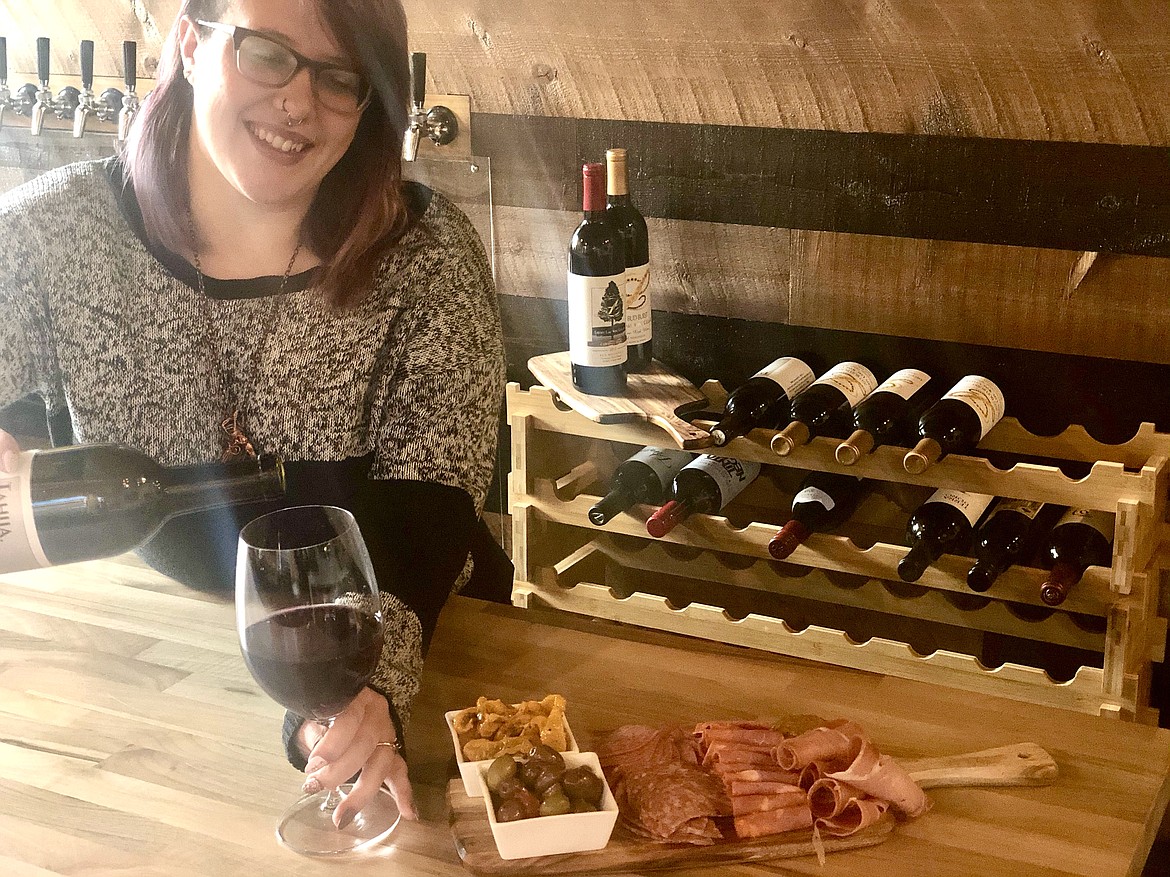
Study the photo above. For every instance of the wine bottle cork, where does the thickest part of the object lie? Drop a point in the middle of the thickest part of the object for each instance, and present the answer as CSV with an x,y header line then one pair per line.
x,y
790,537
925,453
791,437
854,448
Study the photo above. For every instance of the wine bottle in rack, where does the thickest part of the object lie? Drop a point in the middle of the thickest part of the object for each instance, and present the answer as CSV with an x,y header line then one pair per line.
x,y
888,414
941,525
89,501
956,423
763,400
704,486
632,226
597,279
1080,539
643,478
1006,537
824,501
824,406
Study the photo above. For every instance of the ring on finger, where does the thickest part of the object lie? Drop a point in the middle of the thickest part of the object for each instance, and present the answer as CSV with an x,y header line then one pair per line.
x,y
396,745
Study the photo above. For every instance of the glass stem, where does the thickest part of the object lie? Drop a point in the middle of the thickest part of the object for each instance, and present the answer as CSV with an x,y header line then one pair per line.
x,y
331,801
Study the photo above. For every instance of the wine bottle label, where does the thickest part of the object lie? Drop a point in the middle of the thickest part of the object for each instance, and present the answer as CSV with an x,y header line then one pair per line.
x,y
597,327
972,505
983,396
19,546
729,474
637,292
851,378
664,462
1029,508
904,382
790,373
814,494
1102,522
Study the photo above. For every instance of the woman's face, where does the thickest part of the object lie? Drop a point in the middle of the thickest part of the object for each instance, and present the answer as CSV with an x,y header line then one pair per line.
x,y
241,129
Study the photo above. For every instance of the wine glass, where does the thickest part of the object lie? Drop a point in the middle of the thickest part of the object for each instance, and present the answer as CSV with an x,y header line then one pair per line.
x,y
309,619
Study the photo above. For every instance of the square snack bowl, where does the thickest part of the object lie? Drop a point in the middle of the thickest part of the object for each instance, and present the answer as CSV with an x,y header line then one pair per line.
x,y
551,835
468,770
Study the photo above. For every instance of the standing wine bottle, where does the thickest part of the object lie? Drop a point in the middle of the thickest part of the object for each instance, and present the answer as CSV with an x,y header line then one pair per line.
x,y
89,501
704,486
597,276
825,500
645,477
763,400
632,226
956,423
886,416
1005,539
824,406
1080,539
941,525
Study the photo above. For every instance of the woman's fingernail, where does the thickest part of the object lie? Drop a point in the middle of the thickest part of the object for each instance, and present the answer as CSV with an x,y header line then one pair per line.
x,y
311,786
10,462
314,764
345,820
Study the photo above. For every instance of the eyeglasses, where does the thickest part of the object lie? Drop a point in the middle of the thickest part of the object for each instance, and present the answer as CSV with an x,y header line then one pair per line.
x,y
264,61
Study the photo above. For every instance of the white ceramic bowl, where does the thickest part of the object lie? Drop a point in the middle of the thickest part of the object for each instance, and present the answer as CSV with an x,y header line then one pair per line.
x,y
551,835
469,770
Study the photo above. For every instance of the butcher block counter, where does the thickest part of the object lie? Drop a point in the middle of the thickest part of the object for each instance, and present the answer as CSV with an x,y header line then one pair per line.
x,y
133,740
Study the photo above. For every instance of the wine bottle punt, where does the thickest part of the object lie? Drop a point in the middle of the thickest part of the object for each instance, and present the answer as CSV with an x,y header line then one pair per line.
x,y
763,400
704,486
643,478
597,278
941,525
90,501
1080,539
956,423
1004,539
887,415
824,501
632,226
824,406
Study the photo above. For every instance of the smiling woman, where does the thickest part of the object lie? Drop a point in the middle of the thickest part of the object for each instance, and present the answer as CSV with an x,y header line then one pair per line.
x,y
253,275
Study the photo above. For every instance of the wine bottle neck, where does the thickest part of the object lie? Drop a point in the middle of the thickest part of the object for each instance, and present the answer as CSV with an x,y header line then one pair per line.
x,y
196,488
619,498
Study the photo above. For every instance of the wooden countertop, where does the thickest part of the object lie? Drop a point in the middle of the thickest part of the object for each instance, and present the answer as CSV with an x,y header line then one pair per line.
x,y
133,740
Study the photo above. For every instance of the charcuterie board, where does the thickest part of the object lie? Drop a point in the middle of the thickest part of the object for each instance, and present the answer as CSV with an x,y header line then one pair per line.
x,y
658,395
1021,765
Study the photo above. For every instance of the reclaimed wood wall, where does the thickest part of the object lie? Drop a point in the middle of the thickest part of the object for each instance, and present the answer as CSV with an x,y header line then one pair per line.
x,y
920,169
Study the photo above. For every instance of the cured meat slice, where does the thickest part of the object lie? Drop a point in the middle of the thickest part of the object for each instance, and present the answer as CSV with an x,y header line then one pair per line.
x,y
725,758
757,738
739,787
665,798
743,804
882,777
755,775
858,813
773,821
830,743
829,796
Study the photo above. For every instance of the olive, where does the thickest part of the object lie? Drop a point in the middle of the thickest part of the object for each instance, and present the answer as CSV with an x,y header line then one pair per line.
x,y
582,784
501,768
555,804
580,806
542,753
528,772
508,787
529,802
547,777
510,810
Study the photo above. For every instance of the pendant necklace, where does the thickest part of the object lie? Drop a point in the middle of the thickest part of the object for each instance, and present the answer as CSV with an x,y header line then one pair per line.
x,y
235,442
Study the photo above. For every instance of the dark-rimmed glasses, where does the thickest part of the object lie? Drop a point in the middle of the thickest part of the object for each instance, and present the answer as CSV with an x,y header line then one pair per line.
x,y
265,61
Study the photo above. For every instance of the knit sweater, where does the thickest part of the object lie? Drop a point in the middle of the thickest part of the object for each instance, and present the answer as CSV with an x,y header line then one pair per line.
x,y
389,408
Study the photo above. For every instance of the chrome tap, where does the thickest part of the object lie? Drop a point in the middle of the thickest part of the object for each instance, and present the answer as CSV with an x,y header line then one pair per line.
x,y
438,124
130,101
44,101
86,105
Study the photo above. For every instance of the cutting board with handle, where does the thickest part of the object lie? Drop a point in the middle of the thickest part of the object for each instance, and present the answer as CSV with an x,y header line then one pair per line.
x,y
1023,764
658,395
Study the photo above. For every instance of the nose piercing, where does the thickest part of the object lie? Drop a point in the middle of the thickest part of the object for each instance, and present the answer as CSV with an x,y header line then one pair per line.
x,y
291,122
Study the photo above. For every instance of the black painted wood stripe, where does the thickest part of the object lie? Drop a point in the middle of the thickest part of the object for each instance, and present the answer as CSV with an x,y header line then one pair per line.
x,y
1075,196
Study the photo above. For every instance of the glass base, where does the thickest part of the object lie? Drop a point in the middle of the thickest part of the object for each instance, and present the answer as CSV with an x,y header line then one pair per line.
x,y
307,826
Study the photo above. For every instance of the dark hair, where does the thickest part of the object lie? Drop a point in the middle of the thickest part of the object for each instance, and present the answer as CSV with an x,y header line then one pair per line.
x,y
360,207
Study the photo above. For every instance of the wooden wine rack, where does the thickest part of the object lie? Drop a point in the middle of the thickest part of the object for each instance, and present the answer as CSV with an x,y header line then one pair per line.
x,y
838,598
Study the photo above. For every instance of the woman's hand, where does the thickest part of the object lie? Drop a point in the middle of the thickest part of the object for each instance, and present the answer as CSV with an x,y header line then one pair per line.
x,y
350,745
9,452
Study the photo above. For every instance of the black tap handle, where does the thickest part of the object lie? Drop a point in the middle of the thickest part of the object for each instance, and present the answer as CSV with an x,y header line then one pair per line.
x,y
87,65
418,78
43,59
130,63
3,59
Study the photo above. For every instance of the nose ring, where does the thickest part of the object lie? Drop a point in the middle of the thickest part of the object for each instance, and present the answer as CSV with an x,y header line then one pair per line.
x,y
291,122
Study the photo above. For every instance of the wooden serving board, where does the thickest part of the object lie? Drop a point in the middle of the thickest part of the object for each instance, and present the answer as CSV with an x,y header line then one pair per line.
x,y
659,396
1025,764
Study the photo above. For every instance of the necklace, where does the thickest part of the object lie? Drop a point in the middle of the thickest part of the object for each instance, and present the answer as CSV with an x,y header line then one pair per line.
x,y
234,439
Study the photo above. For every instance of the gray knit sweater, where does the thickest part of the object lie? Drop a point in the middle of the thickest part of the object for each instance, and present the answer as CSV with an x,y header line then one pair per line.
x,y
411,379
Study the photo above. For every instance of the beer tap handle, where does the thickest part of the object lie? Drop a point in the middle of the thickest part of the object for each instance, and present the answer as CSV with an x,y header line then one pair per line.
x,y
85,102
3,60
130,64
44,101
418,80
130,99
87,65
43,61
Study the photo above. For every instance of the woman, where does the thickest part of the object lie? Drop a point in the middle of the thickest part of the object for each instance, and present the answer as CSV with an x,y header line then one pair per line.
x,y
253,275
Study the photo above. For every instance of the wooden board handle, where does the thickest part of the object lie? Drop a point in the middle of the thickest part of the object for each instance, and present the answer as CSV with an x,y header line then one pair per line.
x,y
1023,764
